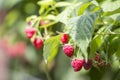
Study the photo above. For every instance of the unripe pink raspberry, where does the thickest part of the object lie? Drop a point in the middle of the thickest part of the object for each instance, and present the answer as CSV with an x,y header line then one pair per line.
x,y
101,64
87,65
97,58
68,50
77,64
38,43
29,23
44,22
64,38
30,31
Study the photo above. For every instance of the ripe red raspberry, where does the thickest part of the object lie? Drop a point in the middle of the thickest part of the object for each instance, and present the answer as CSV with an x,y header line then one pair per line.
x,y
38,43
64,38
87,65
77,64
68,50
30,31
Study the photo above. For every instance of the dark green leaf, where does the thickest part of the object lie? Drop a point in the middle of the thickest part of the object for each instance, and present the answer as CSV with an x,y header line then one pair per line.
x,y
118,52
81,29
114,45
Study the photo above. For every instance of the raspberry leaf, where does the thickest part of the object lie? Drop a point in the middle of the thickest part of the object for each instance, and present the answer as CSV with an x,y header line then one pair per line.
x,y
68,13
96,42
51,47
81,29
107,5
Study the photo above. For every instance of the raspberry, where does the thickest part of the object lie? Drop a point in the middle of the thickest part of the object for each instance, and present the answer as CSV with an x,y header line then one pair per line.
x,y
101,64
44,22
77,64
64,38
30,31
87,65
68,50
97,58
38,43
29,23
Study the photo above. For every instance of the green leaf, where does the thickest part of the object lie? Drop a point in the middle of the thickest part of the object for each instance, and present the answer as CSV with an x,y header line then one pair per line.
x,y
118,52
83,8
109,5
68,13
42,9
88,7
81,29
116,17
114,45
96,42
44,4
50,17
31,18
51,48
109,13
62,4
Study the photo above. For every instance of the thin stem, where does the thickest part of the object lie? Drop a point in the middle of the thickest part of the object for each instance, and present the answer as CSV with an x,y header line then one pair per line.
x,y
46,32
39,33
47,72
110,33
54,8
47,12
52,23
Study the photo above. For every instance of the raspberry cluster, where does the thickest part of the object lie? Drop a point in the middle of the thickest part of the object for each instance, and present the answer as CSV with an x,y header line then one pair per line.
x,y
77,64
100,62
68,50
30,32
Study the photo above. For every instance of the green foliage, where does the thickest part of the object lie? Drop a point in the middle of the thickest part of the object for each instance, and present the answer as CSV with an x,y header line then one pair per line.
x,y
109,5
69,12
93,27
96,42
51,47
83,8
81,30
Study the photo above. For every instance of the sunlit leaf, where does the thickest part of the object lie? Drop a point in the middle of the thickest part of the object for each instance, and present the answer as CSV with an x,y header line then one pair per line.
x,y
109,5
83,8
62,4
68,13
51,48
